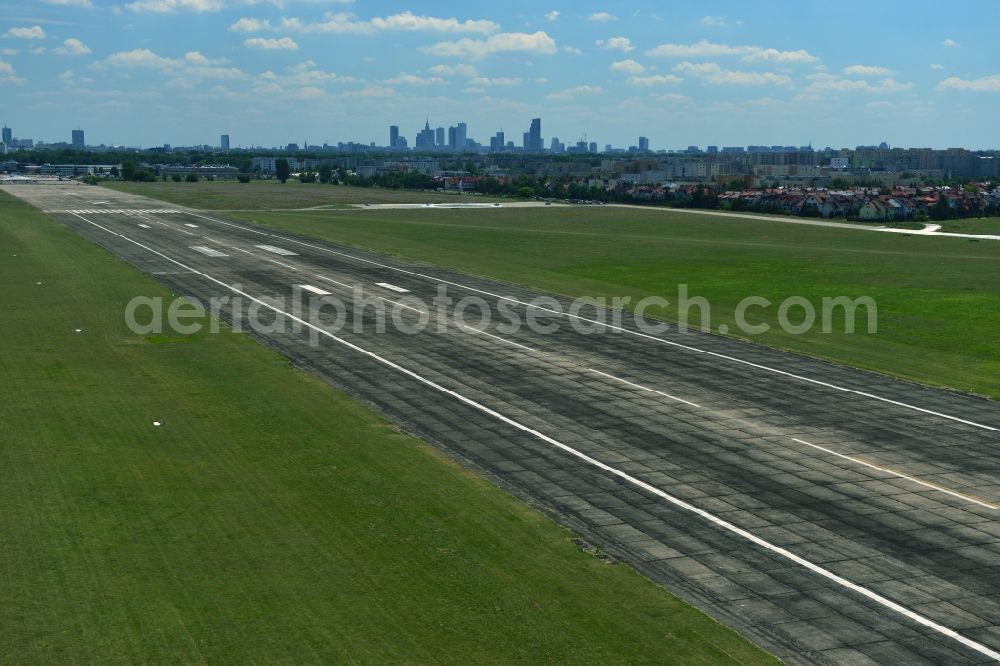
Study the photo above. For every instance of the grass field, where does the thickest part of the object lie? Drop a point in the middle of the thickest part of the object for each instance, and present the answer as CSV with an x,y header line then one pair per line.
x,y
938,298
270,194
270,518
985,225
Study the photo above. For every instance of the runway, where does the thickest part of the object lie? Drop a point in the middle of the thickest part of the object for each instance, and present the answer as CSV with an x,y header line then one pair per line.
x,y
829,514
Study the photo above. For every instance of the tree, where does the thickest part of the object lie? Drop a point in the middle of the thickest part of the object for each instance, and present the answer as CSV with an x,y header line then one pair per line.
x,y
281,169
191,178
243,178
130,170
325,174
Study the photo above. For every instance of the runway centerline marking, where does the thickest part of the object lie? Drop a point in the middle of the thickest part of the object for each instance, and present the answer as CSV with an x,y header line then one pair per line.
x,y
275,261
470,329
342,284
392,287
887,470
644,388
625,476
208,251
315,290
277,250
621,329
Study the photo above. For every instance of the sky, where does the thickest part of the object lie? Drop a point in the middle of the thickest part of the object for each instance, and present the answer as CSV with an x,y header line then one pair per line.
x,y
270,72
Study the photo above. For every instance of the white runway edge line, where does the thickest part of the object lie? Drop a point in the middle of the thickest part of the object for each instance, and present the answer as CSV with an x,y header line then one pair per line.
x,y
470,329
621,329
643,388
653,490
933,486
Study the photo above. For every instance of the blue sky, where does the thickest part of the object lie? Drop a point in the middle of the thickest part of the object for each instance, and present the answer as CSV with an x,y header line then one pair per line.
x,y
268,72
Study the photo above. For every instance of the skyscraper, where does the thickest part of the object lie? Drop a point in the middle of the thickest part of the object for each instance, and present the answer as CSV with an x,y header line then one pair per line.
x,y
533,137
393,136
78,139
8,135
224,142
497,144
461,138
643,144
452,133
439,137
425,137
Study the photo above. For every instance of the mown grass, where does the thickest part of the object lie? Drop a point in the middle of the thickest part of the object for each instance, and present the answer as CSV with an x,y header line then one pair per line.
x,y
938,298
983,225
270,518
271,194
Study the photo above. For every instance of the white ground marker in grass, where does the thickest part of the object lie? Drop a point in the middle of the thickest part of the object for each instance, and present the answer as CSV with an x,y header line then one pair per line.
x,y
277,250
926,484
314,290
209,251
392,287
643,388
624,476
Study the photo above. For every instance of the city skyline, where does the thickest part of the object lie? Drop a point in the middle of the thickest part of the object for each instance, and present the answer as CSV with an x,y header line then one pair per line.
x,y
149,72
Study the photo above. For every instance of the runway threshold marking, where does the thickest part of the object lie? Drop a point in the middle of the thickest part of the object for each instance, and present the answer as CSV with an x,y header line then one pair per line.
x,y
470,329
625,476
734,359
644,388
887,470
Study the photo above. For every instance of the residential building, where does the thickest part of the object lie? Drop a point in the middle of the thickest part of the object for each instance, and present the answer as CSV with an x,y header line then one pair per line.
x,y
644,144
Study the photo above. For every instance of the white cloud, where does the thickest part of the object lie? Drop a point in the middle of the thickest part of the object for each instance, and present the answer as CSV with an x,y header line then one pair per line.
x,y
414,80
67,77
780,56
9,51
193,65
654,80
937,66
616,44
553,15
984,84
72,47
86,4
282,44
8,74
572,50
407,21
170,6
34,32
143,58
707,49
483,81
371,91
950,43
710,72
506,42
250,25
452,70
628,66
866,70
717,22
825,83
570,93
602,17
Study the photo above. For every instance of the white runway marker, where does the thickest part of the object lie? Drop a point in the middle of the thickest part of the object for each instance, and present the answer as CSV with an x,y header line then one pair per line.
x,y
624,476
209,251
193,226
899,474
277,250
315,290
273,261
392,287
644,388
470,329
145,226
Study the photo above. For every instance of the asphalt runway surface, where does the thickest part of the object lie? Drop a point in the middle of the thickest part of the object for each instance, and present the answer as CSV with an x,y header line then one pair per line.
x,y
829,514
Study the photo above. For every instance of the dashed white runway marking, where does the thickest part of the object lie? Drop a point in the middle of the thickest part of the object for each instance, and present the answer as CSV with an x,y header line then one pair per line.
x,y
315,290
273,261
277,250
117,211
899,474
188,224
342,284
580,455
392,287
470,329
643,388
145,226
209,251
